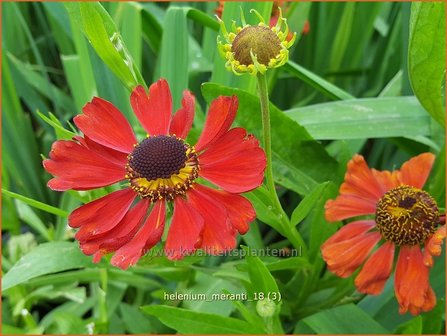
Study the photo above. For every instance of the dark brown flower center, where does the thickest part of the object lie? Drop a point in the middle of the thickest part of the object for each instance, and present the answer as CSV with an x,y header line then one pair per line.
x,y
406,215
162,167
158,157
263,42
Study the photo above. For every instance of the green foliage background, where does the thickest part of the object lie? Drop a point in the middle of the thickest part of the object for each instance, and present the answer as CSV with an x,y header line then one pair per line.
x,y
368,78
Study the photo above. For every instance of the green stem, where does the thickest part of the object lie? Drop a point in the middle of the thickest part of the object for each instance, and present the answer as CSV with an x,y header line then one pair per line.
x,y
289,231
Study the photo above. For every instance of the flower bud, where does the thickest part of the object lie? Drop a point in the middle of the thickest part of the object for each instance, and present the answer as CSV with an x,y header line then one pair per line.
x,y
257,48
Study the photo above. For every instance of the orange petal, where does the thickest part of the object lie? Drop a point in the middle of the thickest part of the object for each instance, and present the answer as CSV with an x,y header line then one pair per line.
x,y
387,179
376,271
433,246
415,171
359,192
349,231
345,257
413,291
347,207
360,181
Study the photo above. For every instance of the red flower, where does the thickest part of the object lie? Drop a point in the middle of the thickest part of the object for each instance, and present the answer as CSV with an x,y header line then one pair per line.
x,y
405,217
159,169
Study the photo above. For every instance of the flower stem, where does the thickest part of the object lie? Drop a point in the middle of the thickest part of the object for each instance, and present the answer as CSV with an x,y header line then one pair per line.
x,y
289,231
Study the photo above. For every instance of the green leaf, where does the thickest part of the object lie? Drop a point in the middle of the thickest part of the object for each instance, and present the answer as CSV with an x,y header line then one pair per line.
x,y
131,26
347,319
30,217
209,285
45,259
341,38
103,35
42,85
304,207
188,322
19,146
151,28
36,204
432,321
363,118
135,321
426,56
291,263
174,52
260,277
61,132
320,84
412,327
203,18
265,211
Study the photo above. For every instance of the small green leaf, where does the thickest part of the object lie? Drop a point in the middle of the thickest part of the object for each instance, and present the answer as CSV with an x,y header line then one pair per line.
x,y
261,279
188,322
265,211
45,259
136,322
291,263
61,132
426,56
304,207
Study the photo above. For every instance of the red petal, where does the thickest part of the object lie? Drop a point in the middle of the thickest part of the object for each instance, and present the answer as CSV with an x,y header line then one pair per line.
x,y
76,167
220,117
101,215
345,257
239,209
234,141
413,291
218,235
234,162
153,110
415,171
376,271
185,230
149,235
183,118
240,172
105,124
119,158
123,232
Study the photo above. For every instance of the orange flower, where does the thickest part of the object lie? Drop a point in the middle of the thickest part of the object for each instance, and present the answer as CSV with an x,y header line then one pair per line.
x,y
406,217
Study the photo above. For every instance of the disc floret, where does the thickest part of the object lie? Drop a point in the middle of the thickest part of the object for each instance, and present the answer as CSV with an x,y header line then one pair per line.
x,y
407,215
162,167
